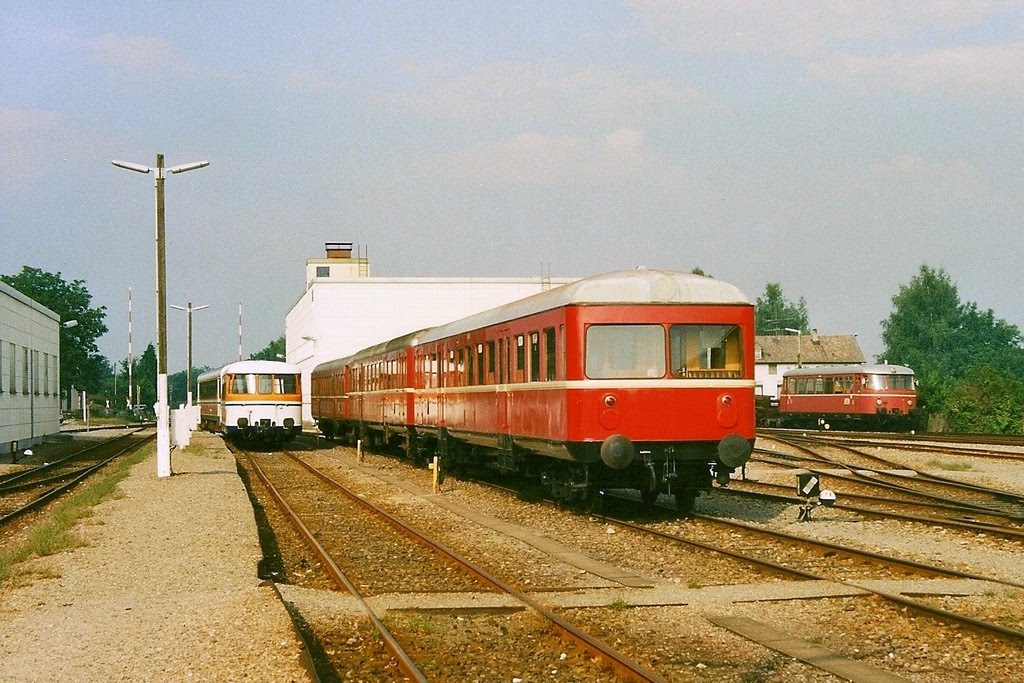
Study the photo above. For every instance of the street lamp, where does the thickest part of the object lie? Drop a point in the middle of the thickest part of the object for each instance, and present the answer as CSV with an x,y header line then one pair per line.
x,y
163,436
188,356
799,334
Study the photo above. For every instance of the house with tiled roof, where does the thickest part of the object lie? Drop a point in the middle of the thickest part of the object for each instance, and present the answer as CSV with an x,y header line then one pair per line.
x,y
775,354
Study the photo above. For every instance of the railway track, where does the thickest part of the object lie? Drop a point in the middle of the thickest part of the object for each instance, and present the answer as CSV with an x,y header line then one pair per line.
x,y
36,486
871,471
875,578
412,562
966,442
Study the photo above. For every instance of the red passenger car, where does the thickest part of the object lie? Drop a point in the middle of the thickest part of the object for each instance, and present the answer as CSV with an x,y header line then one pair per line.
x,y
865,395
637,379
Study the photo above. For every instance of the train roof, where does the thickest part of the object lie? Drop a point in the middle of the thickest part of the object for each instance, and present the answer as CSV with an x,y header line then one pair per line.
x,y
640,286
391,345
264,367
859,369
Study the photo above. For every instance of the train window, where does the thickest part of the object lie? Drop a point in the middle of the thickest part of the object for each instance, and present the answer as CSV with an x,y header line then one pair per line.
x,y
287,384
534,357
801,386
550,354
480,364
501,361
819,386
508,360
491,357
625,351
706,351
238,384
520,352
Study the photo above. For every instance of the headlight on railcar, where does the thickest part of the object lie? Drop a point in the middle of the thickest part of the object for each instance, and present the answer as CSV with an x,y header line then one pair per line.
x,y
289,422
243,422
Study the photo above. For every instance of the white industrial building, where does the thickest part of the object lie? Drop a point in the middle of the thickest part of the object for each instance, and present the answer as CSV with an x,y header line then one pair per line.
x,y
29,371
343,309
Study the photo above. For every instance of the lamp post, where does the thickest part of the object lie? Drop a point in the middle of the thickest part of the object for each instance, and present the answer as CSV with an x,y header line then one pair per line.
x,y
188,356
799,334
163,436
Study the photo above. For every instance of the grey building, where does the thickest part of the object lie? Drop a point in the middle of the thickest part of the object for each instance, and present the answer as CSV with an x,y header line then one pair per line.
x,y
29,371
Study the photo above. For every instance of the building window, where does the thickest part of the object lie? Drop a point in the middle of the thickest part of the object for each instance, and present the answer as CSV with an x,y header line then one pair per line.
x,y
323,271
773,368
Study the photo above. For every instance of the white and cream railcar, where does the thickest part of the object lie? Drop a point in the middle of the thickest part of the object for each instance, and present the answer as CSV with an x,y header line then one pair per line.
x,y
252,399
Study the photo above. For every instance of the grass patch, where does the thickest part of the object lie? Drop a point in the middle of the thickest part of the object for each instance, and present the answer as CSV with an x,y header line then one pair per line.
x,y
949,466
618,604
55,532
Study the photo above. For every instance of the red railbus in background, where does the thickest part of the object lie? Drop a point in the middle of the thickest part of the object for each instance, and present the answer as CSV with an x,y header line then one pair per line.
x,y
873,396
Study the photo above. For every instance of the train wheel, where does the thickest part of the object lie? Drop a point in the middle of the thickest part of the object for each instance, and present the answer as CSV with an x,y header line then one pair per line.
x,y
593,500
649,497
685,499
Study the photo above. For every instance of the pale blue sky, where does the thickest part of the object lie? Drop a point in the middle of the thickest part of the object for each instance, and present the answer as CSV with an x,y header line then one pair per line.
x,y
830,147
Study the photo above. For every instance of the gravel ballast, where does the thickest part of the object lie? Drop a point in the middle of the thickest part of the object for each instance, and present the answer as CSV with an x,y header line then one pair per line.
x,y
164,589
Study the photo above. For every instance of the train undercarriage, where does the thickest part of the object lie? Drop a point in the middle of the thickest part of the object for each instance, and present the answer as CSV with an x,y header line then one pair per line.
x,y
577,474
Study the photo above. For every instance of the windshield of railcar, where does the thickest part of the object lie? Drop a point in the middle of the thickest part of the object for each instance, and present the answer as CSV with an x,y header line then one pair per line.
x,y
891,382
264,384
704,351
625,351
635,351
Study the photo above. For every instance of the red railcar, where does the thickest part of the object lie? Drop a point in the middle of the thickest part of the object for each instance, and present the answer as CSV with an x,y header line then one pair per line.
x,y
636,379
883,396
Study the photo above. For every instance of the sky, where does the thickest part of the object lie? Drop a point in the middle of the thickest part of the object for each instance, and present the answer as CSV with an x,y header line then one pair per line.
x,y
831,147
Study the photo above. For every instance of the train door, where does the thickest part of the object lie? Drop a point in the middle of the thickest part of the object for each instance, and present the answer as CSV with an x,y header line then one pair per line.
x,y
503,395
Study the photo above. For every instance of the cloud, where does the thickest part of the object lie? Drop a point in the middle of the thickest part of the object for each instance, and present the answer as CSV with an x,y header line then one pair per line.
x,y
963,71
806,28
18,121
530,96
313,82
949,178
535,159
141,55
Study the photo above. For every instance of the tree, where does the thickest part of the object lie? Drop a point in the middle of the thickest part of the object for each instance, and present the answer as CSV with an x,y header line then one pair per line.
x,y
273,351
774,312
987,401
145,377
945,340
81,364
177,389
